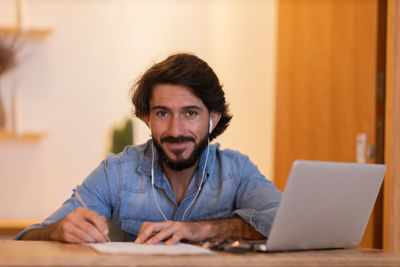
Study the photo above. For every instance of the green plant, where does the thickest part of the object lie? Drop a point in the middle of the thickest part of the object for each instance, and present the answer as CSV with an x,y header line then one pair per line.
x,y
122,137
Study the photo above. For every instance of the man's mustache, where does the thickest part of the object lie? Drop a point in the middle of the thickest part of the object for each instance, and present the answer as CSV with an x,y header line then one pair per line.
x,y
177,140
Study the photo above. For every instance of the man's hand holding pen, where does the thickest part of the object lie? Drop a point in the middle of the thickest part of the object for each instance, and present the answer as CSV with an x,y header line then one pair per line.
x,y
81,226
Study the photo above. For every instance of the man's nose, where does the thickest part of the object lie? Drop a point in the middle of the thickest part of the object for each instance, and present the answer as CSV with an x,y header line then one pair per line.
x,y
176,127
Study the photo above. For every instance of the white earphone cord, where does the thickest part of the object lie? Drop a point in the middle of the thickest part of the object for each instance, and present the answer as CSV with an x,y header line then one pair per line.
x,y
198,190
201,182
152,181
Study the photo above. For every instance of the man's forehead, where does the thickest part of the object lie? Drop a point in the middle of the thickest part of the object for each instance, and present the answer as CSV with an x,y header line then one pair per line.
x,y
171,94
162,87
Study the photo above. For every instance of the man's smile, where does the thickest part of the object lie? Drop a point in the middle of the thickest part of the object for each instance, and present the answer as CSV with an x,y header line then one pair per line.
x,y
177,145
179,139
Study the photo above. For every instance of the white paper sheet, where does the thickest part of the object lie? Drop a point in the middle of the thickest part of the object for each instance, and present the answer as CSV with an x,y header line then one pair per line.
x,y
131,248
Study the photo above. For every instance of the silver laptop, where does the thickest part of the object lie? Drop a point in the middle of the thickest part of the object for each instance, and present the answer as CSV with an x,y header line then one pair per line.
x,y
325,205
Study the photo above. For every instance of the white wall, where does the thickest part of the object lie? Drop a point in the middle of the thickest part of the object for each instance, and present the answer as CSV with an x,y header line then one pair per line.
x,y
74,84
241,48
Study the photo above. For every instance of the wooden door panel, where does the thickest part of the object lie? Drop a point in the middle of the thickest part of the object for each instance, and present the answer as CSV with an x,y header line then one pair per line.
x,y
326,81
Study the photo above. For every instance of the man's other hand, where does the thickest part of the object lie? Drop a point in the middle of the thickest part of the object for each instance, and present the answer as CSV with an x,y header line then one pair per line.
x,y
172,232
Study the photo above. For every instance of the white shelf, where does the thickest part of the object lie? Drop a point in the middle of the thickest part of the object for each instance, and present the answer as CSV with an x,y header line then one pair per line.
x,y
24,137
31,33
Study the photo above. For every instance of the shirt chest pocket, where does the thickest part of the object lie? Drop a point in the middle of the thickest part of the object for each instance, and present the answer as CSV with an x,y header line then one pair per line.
x,y
214,203
138,207
223,189
141,185
135,200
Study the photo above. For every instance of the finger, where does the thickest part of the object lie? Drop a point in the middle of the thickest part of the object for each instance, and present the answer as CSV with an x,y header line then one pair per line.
x,y
100,222
89,232
80,235
175,238
70,238
82,219
148,229
173,229
185,230
69,232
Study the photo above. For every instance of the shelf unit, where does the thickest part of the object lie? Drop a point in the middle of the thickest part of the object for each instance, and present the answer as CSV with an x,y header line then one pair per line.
x,y
19,28
31,33
24,137
19,32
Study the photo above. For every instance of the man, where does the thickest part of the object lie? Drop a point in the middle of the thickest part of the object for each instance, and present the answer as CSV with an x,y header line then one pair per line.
x,y
176,186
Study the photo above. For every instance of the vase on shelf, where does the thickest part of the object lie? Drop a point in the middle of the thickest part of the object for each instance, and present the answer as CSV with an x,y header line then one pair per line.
x,y
16,122
2,113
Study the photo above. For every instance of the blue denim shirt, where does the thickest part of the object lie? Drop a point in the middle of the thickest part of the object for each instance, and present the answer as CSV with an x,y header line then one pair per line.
x,y
120,189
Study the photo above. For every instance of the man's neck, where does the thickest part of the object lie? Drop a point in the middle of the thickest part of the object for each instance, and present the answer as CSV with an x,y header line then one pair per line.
x,y
179,180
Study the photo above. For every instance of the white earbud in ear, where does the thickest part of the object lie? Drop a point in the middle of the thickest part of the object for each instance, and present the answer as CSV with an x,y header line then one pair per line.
x,y
210,126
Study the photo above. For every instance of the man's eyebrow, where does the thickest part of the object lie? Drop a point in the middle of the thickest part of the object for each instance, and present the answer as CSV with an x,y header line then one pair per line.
x,y
158,107
193,107
184,108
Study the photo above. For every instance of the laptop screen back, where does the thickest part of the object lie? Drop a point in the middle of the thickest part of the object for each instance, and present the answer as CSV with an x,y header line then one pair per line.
x,y
325,205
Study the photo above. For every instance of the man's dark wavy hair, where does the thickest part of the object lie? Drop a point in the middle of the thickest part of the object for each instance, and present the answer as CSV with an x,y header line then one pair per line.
x,y
188,70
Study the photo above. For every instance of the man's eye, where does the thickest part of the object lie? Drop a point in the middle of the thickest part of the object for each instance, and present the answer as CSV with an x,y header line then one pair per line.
x,y
192,113
162,113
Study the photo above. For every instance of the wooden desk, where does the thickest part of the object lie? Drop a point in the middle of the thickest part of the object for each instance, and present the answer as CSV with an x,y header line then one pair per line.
x,y
9,228
42,253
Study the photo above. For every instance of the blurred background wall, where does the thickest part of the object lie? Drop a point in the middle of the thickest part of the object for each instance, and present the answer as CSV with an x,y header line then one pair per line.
x,y
73,85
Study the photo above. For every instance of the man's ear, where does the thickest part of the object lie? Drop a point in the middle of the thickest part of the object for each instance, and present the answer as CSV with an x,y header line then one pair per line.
x,y
146,119
214,117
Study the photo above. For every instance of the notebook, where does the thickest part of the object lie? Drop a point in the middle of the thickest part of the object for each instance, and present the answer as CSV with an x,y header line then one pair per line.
x,y
325,205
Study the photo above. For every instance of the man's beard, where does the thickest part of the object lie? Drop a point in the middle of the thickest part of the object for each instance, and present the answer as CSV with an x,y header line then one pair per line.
x,y
180,164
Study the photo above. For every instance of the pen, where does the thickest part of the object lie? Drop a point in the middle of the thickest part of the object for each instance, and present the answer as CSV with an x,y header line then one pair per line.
x,y
78,196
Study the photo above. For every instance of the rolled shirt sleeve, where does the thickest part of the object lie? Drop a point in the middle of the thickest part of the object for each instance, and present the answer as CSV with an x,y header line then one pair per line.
x,y
257,198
